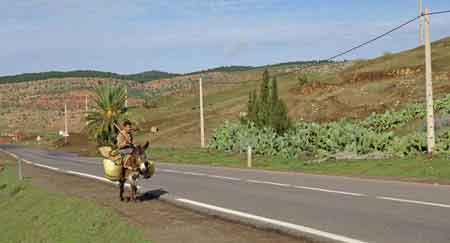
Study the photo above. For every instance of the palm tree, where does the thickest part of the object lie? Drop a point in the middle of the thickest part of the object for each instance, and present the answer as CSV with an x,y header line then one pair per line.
x,y
111,110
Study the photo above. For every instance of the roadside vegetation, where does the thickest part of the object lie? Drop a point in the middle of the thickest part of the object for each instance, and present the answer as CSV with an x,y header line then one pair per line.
x,y
312,140
30,214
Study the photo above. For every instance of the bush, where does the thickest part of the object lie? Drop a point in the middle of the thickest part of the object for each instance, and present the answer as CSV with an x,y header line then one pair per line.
x,y
302,80
364,137
393,119
302,138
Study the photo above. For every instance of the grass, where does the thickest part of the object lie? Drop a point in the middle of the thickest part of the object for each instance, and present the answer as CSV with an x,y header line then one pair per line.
x,y
413,57
30,214
415,169
412,169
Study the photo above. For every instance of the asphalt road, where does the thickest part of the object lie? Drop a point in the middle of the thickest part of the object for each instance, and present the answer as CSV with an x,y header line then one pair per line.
x,y
360,209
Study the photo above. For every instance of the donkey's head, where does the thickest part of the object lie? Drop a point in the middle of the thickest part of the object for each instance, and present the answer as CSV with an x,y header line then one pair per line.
x,y
141,159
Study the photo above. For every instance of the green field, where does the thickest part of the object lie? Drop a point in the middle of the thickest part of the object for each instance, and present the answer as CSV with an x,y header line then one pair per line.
x,y
30,214
418,169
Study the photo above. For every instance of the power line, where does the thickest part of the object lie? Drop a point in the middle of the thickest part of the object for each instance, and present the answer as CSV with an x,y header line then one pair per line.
x,y
385,34
439,12
369,41
374,39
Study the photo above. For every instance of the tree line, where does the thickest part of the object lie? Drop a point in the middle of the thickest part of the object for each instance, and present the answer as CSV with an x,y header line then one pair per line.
x,y
139,77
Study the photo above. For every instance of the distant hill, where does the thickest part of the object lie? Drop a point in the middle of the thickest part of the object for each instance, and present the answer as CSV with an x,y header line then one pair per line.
x,y
140,77
224,69
236,68
144,76
297,63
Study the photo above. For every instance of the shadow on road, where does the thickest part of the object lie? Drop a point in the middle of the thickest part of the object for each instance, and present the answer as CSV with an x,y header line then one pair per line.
x,y
151,195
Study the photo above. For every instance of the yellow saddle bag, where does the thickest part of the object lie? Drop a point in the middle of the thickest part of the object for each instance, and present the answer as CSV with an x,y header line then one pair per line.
x,y
112,170
151,168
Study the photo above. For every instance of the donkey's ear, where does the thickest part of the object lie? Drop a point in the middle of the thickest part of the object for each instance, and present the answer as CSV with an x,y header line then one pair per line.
x,y
146,145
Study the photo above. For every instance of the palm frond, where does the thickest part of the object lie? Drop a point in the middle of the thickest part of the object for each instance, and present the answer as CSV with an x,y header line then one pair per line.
x,y
110,104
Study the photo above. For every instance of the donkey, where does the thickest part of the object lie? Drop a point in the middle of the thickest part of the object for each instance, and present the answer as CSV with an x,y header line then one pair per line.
x,y
136,166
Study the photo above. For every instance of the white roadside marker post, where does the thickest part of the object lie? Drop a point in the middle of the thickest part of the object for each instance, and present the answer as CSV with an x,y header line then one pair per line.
x,y
19,167
249,156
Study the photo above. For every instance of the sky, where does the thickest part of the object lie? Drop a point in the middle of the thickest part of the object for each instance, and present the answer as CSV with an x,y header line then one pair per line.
x,y
131,36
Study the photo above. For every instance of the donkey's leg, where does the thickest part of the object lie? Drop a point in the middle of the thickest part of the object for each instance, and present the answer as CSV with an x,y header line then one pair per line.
x,y
122,183
133,184
133,193
121,187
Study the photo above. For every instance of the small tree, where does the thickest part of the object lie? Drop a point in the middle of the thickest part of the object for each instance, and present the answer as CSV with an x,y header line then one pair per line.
x,y
302,80
280,119
151,97
274,91
252,106
264,102
110,102
268,110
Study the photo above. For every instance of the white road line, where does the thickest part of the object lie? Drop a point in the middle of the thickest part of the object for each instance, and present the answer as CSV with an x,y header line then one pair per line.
x,y
77,173
96,178
171,171
28,162
194,173
43,166
415,202
269,183
224,177
10,154
90,176
263,182
291,226
67,171
307,188
199,174
331,191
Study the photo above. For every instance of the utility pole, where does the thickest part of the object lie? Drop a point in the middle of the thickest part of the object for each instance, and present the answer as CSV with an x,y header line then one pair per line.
x,y
429,86
86,103
86,109
126,97
202,124
66,129
421,19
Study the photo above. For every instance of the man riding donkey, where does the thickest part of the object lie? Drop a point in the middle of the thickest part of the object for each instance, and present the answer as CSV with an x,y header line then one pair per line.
x,y
125,143
133,160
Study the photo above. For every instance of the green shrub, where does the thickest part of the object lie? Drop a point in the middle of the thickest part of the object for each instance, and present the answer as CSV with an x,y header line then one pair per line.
x,y
267,109
363,137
